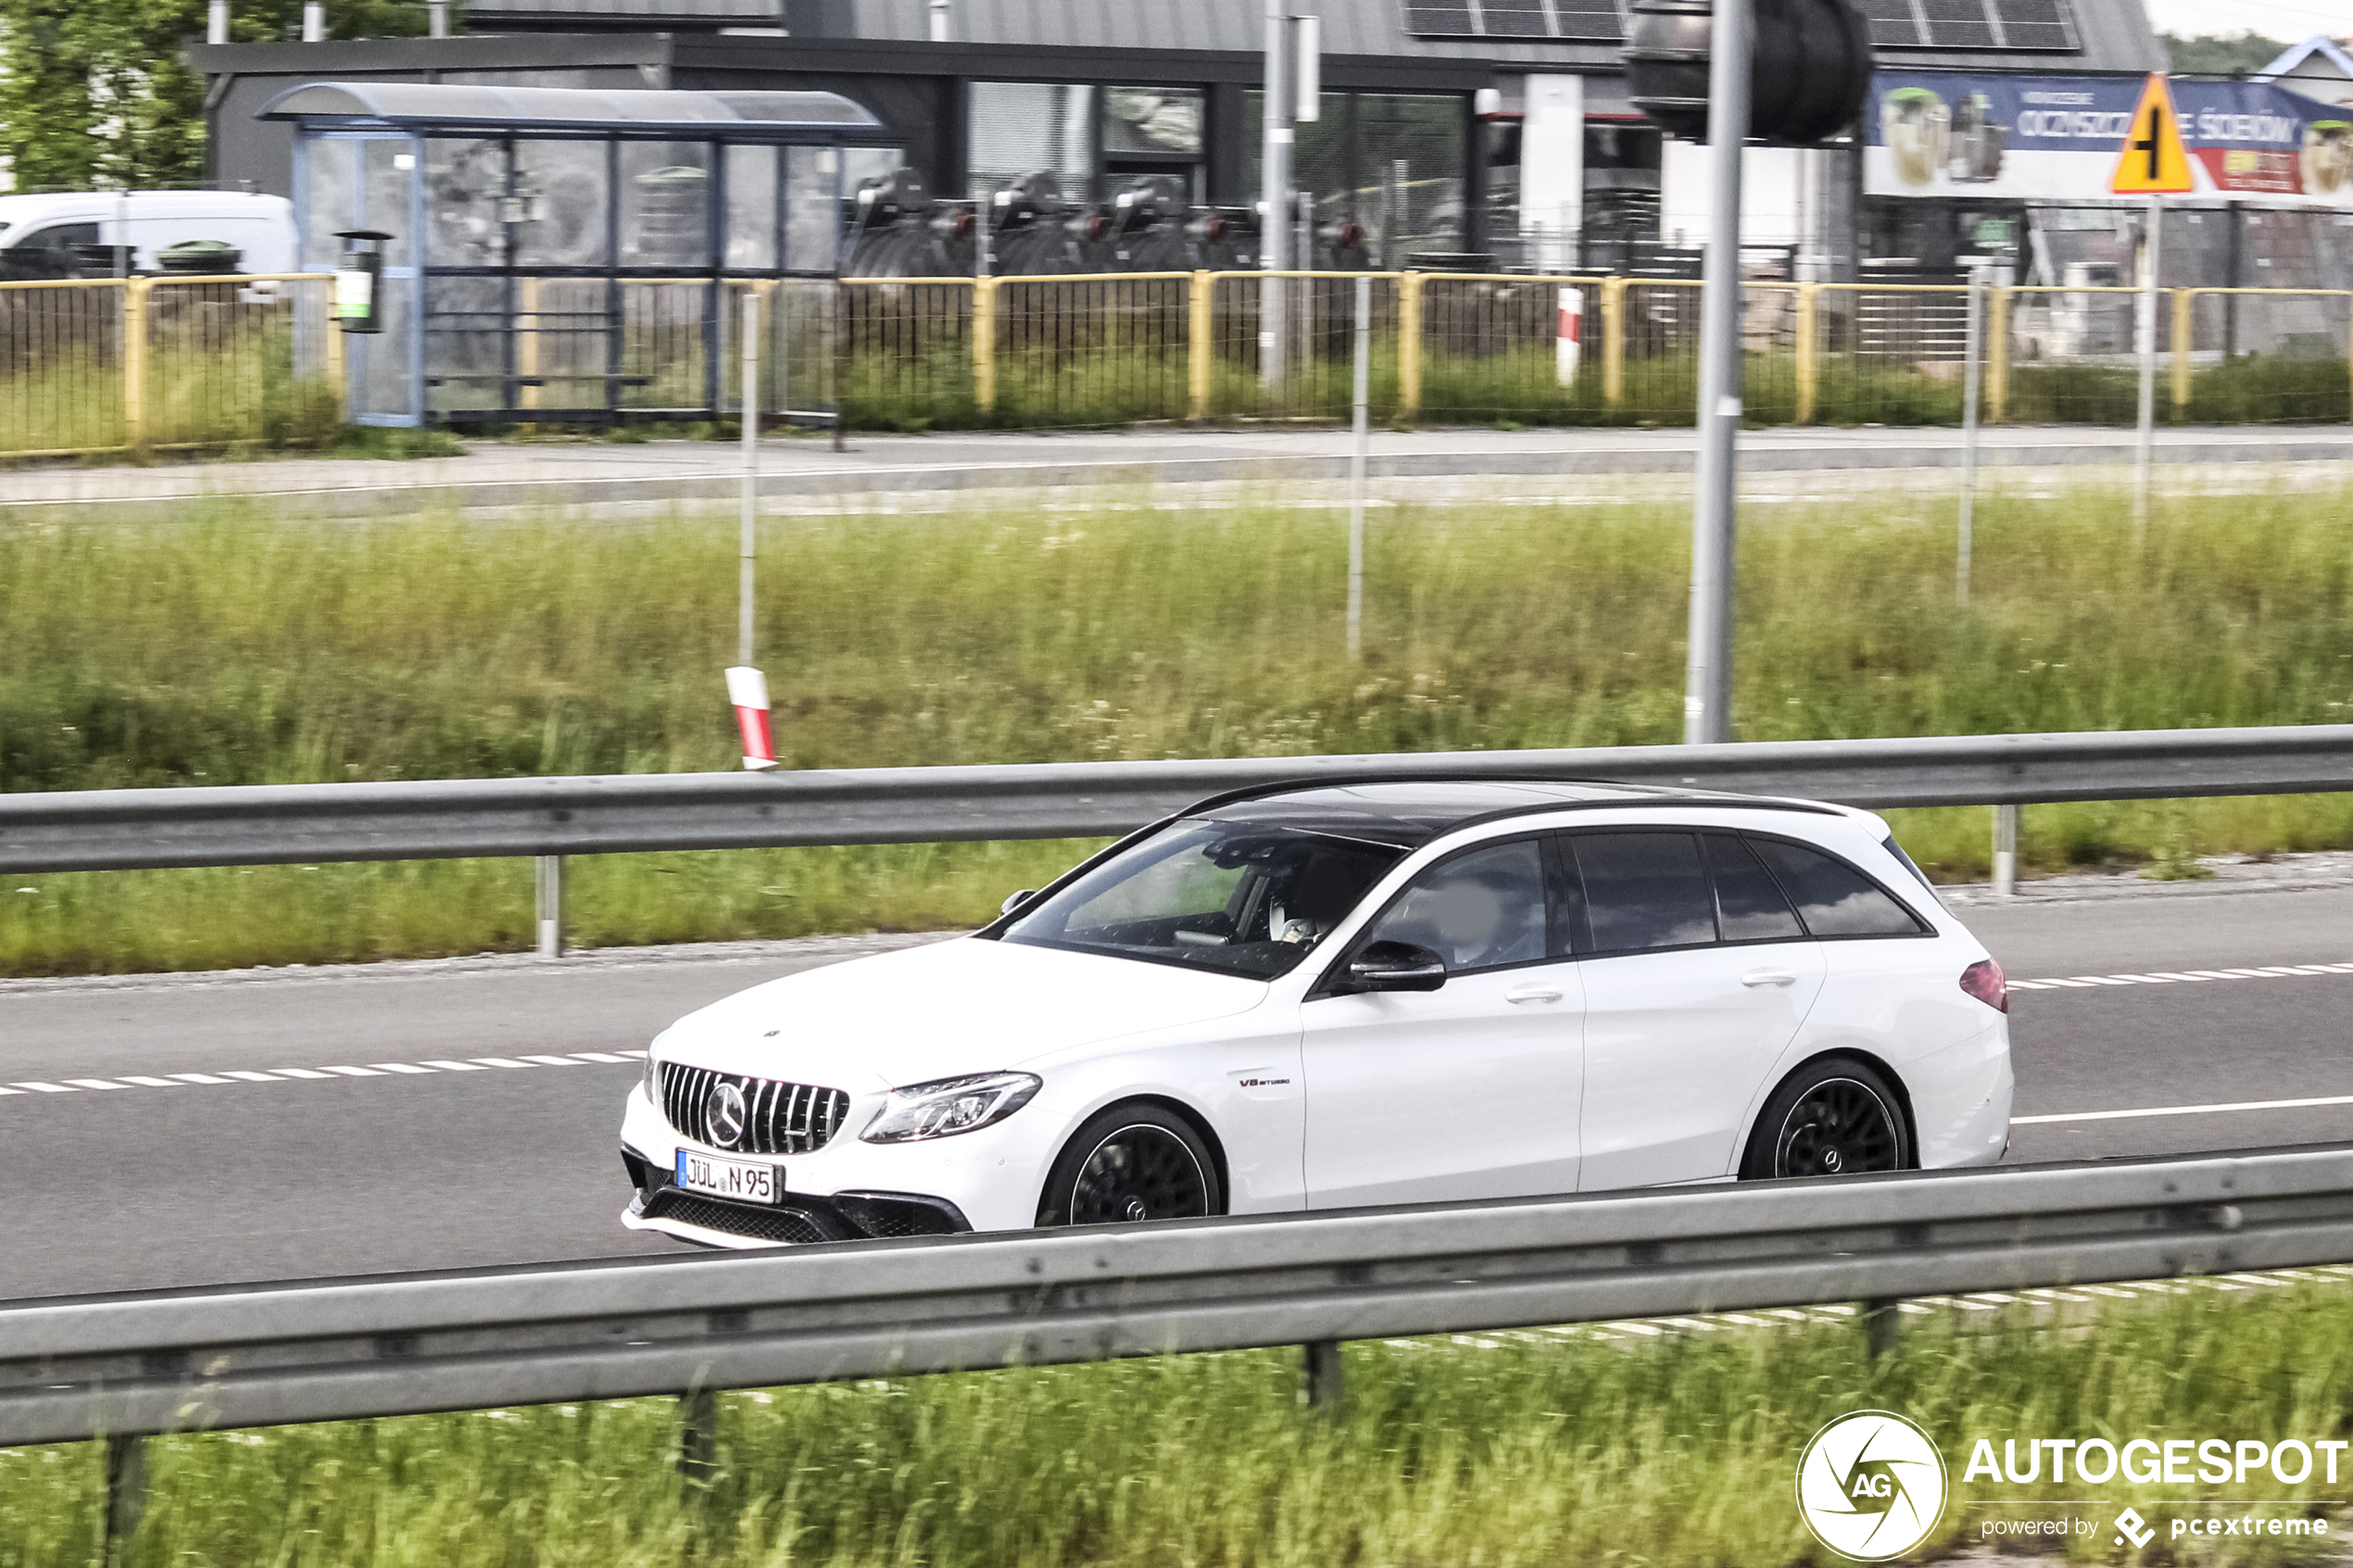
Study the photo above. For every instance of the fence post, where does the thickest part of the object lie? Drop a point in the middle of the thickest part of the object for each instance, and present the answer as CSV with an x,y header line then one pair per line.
x,y
126,1492
338,372
548,885
1883,1328
2182,353
985,343
699,1436
1200,344
1613,341
1997,356
1409,344
134,363
1808,369
1324,1388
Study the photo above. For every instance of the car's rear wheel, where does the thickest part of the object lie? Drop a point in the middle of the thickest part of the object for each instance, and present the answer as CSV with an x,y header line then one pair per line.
x,y
1835,1117
1131,1163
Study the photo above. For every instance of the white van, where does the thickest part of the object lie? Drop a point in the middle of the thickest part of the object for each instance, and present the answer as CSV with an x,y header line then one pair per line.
x,y
38,232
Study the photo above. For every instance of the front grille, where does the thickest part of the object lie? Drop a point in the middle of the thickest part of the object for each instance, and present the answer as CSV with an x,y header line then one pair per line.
x,y
779,1118
734,1219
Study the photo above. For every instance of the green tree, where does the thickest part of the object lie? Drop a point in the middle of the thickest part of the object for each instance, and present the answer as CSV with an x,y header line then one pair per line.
x,y
94,92
2222,54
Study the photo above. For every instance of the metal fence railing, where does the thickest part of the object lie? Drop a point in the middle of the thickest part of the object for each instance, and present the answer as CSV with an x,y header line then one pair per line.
x,y
143,364
152,364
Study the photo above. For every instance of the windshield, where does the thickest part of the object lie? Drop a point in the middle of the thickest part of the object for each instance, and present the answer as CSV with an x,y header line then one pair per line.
x,y
1247,899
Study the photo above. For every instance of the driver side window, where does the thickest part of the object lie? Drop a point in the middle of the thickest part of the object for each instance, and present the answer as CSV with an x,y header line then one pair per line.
x,y
1479,911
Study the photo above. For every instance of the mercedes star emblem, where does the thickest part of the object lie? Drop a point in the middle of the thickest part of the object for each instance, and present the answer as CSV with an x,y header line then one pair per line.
x,y
723,1109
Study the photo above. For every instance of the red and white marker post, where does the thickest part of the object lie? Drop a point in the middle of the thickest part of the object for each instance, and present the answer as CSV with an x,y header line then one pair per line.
x,y
748,689
1569,347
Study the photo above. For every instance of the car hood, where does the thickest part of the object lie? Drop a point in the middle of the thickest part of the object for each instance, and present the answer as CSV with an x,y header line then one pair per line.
x,y
960,1006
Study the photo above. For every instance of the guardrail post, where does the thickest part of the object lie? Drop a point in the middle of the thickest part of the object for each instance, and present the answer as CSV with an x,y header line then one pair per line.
x,y
1409,344
1883,1328
1613,341
126,1492
548,882
699,1436
1997,358
2182,353
985,343
1200,344
1807,370
135,435
2005,850
1324,1387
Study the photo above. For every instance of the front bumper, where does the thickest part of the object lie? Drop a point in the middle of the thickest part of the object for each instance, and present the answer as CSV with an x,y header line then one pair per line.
x,y
847,1191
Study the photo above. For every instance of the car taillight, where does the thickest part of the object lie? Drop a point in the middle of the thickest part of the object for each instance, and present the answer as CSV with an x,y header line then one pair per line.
x,y
1983,980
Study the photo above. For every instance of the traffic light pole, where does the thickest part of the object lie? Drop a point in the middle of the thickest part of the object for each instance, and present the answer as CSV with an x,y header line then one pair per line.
x,y
1707,690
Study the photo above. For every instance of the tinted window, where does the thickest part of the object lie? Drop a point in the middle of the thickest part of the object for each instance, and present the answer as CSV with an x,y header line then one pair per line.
x,y
62,236
1476,911
1836,898
1749,905
1645,890
1243,898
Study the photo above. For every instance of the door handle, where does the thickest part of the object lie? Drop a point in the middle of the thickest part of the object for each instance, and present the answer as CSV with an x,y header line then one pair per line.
x,y
1769,977
1532,994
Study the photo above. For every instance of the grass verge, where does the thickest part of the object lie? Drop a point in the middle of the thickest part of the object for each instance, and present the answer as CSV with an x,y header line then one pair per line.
x,y
1668,1448
229,647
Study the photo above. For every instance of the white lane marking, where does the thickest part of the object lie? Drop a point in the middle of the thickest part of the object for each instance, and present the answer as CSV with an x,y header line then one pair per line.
x,y
457,1066
552,1061
300,1072
500,1061
8,1091
198,1078
149,1083
356,1072
2182,1109
2175,976
398,1067
97,1084
247,1075
41,1088
233,1075
604,1056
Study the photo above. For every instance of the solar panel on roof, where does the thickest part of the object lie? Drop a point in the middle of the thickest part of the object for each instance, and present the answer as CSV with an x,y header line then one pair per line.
x,y
1893,23
1958,24
1594,21
2036,24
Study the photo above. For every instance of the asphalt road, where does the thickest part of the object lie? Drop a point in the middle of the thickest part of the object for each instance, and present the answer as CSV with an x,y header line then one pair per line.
x,y
409,1145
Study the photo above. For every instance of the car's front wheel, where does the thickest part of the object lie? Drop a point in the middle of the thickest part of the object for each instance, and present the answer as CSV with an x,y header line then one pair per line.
x,y
1830,1118
1131,1163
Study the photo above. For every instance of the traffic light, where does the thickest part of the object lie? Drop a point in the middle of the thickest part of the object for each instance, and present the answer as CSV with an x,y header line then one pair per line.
x,y
1809,70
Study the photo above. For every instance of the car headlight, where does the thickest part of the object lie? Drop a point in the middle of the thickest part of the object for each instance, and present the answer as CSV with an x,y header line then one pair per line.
x,y
948,1106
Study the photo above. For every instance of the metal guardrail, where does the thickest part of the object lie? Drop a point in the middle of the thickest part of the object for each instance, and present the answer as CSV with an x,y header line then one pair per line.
x,y
181,1360
285,824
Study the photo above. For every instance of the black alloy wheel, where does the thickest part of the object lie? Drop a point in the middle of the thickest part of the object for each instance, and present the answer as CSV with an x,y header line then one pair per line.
x,y
1131,1163
1834,1118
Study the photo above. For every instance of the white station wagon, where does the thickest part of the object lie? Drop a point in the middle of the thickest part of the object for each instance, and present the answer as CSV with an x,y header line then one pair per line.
x,y
1327,994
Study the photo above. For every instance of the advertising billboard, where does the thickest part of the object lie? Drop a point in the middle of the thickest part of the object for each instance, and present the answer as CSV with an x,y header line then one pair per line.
x,y
1956,133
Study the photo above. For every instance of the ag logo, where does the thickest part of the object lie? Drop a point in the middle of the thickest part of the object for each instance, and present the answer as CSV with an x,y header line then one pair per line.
x,y
1871,1485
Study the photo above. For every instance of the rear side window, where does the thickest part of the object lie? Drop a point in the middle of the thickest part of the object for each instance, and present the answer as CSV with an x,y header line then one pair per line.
x,y
1749,905
1832,897
1644,890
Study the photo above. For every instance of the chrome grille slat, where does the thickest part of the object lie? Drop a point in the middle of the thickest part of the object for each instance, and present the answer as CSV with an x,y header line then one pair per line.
x,y
780,1117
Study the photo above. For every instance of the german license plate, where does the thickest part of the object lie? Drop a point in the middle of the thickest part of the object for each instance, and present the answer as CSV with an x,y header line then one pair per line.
x,y
739,1179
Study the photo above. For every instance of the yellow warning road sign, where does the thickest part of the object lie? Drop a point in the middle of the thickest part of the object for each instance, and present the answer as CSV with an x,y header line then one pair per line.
x,y
2153,161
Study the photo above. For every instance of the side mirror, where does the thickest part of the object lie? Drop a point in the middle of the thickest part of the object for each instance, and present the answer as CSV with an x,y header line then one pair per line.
x,y
1396,966
1015,900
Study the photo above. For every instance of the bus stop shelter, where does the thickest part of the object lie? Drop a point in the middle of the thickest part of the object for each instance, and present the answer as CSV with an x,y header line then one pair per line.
x,y
570,254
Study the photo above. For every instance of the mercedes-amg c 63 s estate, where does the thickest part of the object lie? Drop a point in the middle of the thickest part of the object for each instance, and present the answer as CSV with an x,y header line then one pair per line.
x,y
1336,994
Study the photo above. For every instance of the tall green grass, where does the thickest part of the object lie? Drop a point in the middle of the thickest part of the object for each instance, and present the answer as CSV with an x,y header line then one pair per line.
x,y
230,647
1495,1451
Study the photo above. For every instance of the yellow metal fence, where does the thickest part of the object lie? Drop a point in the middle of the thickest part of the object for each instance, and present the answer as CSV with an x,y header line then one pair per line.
x,y
149,364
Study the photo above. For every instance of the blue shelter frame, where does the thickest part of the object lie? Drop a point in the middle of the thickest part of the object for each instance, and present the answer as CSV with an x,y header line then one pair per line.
x,y
560,254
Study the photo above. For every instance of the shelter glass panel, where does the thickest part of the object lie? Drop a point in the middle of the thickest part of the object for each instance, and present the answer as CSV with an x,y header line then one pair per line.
x,y
564,204
389,166
327,193
665,204
751,208
465,201
812,209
